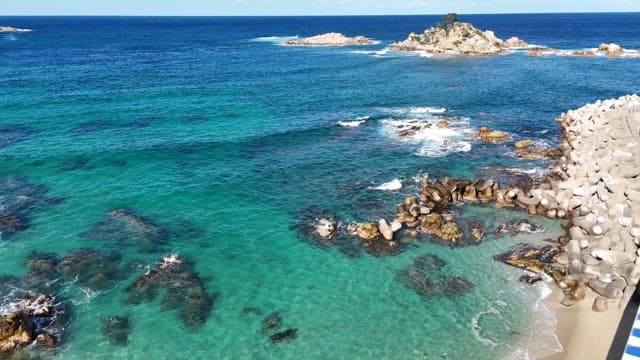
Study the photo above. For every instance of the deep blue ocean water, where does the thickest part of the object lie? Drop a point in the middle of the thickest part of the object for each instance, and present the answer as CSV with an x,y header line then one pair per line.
x,y
212,129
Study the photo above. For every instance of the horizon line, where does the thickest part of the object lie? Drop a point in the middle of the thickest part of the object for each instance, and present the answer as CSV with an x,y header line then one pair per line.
x,y
319,15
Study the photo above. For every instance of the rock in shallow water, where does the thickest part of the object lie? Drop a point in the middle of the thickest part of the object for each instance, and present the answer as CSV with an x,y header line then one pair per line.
x,y
287,335
184,290
124,227
92,268
531,257
272,322
116,329
425,277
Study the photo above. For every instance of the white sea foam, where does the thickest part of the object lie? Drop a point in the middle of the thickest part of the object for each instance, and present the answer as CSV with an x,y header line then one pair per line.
x,y
392,185
543,340
430,139
275,39
354,123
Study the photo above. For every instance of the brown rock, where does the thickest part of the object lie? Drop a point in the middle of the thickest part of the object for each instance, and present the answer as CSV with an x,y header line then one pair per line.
x,y
523,144
367,231
451,233
431,225
477,234
442,124
16,331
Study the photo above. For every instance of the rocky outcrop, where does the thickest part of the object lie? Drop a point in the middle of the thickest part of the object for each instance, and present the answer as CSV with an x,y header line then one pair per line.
x,y
330,39
613,50
610,50
457,39
8,29
185,290
487,135
542,51
32,323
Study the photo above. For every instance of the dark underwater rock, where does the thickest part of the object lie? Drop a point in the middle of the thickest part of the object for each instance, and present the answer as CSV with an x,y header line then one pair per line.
x,y
18,199
11,224
92,126
185,290
77,163
12,134
124,227
116,329
92,268
425,277
272,322
287,335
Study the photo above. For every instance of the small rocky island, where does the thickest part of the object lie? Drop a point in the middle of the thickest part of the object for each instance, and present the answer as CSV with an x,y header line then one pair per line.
x,y
451,37
330,39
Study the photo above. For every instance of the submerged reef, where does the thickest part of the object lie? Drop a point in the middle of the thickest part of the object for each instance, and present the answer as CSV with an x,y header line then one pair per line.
x,y
426,278
125,227
184,288
18,200
116,329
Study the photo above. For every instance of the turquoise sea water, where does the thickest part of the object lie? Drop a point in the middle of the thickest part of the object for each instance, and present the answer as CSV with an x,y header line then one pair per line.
x,y
224,138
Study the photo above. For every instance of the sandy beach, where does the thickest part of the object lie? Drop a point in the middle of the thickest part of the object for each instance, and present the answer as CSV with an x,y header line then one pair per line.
x,y
583,333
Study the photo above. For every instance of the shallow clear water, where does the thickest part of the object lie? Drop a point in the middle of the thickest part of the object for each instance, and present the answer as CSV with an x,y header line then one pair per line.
x,y
203,123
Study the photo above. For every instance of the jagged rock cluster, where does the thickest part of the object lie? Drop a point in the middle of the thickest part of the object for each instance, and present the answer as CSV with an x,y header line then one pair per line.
x,y
330,39
427,215
33,322
458,39
610,50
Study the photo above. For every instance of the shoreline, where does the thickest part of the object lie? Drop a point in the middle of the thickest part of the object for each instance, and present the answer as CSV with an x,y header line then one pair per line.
x,y
582,332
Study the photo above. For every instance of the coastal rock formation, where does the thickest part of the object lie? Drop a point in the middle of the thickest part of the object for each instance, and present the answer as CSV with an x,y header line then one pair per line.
x,y
125,227
542,51
330,39
532,258
185,290
610,50
613,50
451,37
32,323
487,135
426,278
